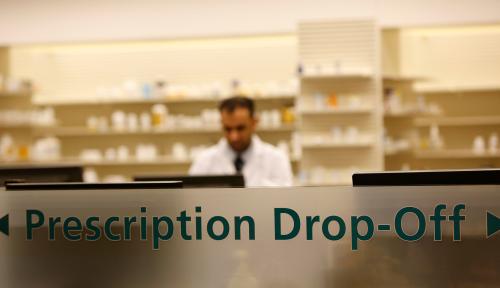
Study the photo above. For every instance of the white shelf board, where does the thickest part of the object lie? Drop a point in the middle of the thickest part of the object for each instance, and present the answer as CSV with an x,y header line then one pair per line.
x,y
159,161
76,161
31,163
83,131
348,66
15,95
339,76
397,152
443,88
454,154
337,145
17,126
458,121
403,78
282,128
181,100
401,114
336,111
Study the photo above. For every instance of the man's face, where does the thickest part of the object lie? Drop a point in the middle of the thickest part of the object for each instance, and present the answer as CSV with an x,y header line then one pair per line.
x,y
238,128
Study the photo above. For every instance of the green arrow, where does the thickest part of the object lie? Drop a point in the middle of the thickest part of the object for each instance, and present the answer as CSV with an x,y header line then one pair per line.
x,y
492,224
4,225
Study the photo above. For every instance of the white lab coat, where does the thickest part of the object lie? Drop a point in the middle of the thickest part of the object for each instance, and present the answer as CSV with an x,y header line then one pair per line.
x,y
265,165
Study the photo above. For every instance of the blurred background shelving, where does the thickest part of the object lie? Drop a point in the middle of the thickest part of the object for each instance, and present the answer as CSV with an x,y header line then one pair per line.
x,y
339,102
338,96
97,146
16,113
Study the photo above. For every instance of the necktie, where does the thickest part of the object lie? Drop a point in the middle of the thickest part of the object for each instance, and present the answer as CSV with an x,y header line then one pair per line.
x,y
238,163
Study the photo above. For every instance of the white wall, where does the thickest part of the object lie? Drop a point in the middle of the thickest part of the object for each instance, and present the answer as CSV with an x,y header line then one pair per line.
x,y
28,21
79,71
454,58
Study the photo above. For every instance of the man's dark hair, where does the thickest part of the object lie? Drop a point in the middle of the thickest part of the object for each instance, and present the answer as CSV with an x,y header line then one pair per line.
x,y
230,104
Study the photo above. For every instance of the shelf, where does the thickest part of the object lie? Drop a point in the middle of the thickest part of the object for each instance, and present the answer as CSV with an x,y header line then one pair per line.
x,y
334,145
336,111
159,161
454,154
339,76
83,131
75,161
29,163
282,128
458,121
205,100
400,78
456,88
17,126
15,95
401,114
350,70
397,152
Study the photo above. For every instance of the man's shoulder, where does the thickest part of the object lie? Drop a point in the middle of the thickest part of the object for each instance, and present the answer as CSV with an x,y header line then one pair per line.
x,y
272,151
209,152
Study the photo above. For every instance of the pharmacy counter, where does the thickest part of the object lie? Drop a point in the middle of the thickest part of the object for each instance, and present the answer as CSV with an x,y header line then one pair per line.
x,y
282,237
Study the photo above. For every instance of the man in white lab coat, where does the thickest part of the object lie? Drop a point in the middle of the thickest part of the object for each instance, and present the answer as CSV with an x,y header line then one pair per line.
x,y
241,151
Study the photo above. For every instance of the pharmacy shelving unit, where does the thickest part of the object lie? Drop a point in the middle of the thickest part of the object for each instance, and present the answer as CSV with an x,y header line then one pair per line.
x,y
401,106
340,102
75,136
468,112
400,102
15,106
462,67
206,130
22,129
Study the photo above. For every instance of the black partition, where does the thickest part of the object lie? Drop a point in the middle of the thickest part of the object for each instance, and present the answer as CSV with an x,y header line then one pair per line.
x,y
93,186
40,174
198,181
428,177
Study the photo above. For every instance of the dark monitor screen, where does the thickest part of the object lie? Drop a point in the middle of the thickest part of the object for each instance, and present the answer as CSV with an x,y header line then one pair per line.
x,y
94,186
41,174
198,181
428,177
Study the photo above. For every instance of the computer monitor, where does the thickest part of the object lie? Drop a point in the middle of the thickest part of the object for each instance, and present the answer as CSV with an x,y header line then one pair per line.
x,y
41,174
428,178
198,181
